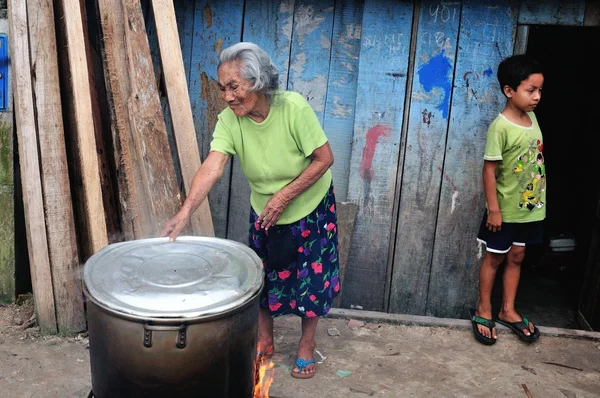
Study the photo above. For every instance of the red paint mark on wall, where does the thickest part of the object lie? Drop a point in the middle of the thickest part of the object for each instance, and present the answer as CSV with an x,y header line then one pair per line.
x,y
369,150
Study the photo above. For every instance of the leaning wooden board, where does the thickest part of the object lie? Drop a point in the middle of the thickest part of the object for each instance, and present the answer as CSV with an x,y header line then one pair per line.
x,y
33,202
58,208
179,107
150,180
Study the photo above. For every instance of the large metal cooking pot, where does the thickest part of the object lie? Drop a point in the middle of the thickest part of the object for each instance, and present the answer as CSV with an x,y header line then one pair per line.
x,y
173,319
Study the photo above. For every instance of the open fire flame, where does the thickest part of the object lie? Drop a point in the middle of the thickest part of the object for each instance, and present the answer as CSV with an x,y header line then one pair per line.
x,y
263,378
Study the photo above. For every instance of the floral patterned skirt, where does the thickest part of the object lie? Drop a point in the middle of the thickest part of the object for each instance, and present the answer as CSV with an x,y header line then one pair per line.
x,y
307,285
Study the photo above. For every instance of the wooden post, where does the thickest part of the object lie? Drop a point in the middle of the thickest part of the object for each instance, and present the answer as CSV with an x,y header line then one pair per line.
x,y
7,210
60,223
82,128
143,152
180,107
41,277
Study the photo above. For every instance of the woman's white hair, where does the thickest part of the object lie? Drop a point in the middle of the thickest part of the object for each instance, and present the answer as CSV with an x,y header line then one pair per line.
x,y
256,67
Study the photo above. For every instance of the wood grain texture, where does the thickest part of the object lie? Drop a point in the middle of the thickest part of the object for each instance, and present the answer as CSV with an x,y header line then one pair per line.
x,y
179,107
338,119
58,209
269,25
7,212
37,243
310,52
381,90
143,144
134,214
550,12
217,25
80,128
433,76
101,122
485,39
148,125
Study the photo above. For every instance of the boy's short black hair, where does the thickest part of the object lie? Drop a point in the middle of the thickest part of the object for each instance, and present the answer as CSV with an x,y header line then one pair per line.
x,y
514,69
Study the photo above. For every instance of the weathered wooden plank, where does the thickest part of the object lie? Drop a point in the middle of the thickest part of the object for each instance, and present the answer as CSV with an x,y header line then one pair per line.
x,y
311,50
521,39
37,243
179,107
338,120
217,25
381,90
188,21
7,213
140,116
486,37
101,122
148,124
433,75
135,216
346,215
56,190
552,12
269,25
93,221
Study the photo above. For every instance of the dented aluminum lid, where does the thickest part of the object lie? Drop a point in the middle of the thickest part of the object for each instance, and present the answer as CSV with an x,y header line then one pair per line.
x,y
191,277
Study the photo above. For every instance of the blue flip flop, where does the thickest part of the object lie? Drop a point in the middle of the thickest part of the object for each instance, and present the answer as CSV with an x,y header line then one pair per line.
x,y
302,363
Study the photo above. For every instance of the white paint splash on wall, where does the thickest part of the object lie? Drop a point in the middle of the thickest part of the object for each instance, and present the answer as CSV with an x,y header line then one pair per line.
x,y
340,110
307,20
314,91
298,65
454,196
325,42
286,6
479,250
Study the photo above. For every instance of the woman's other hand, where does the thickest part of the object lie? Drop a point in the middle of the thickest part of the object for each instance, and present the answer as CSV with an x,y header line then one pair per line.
x,y
272,211
175,225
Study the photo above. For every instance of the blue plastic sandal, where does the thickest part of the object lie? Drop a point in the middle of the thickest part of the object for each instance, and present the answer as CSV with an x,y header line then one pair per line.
x,y
302,363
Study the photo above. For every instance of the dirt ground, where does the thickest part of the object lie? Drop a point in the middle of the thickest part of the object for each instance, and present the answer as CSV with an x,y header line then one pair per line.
x,y
370,359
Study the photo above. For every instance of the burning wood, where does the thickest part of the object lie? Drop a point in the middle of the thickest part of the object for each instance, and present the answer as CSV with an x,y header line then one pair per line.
x,y
263,377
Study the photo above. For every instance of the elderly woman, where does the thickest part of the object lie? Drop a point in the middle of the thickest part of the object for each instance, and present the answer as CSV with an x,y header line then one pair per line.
x,y
285,156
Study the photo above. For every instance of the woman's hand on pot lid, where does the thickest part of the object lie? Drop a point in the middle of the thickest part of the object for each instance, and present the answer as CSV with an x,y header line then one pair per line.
x,y
175,225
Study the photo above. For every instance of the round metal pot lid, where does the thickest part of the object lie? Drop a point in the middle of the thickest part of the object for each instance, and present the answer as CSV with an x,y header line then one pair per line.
x,y
191,277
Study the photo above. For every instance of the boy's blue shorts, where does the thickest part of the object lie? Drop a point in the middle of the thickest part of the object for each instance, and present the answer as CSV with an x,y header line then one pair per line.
x,y
518,234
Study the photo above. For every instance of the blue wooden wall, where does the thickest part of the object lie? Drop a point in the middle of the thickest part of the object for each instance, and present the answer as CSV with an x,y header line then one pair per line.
x,y
405,91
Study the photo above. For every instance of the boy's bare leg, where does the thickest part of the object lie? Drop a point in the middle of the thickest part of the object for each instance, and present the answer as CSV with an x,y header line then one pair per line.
x,y
487,274
307,344
265,333
510,282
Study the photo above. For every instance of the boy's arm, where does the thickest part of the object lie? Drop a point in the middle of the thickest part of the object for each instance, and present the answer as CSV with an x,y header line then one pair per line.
x,y
494,220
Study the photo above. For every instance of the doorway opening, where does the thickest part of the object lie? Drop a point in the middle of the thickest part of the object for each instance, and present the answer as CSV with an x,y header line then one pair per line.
x,y
552,272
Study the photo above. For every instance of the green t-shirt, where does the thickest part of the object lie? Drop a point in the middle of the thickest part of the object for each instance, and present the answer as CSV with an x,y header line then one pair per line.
x,y
521,174
276,151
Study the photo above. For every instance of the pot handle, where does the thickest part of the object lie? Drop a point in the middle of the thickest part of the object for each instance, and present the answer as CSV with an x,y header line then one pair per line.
x,y
181,333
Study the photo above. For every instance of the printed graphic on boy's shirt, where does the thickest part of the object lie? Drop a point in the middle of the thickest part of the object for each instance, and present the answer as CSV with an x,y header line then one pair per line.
x,y
531,176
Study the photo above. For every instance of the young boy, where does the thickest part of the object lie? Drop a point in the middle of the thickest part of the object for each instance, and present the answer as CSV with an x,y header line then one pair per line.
x,y
514,181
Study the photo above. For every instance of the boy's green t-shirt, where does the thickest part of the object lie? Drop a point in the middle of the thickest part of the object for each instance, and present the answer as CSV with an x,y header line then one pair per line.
x,y
273,153
521,174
